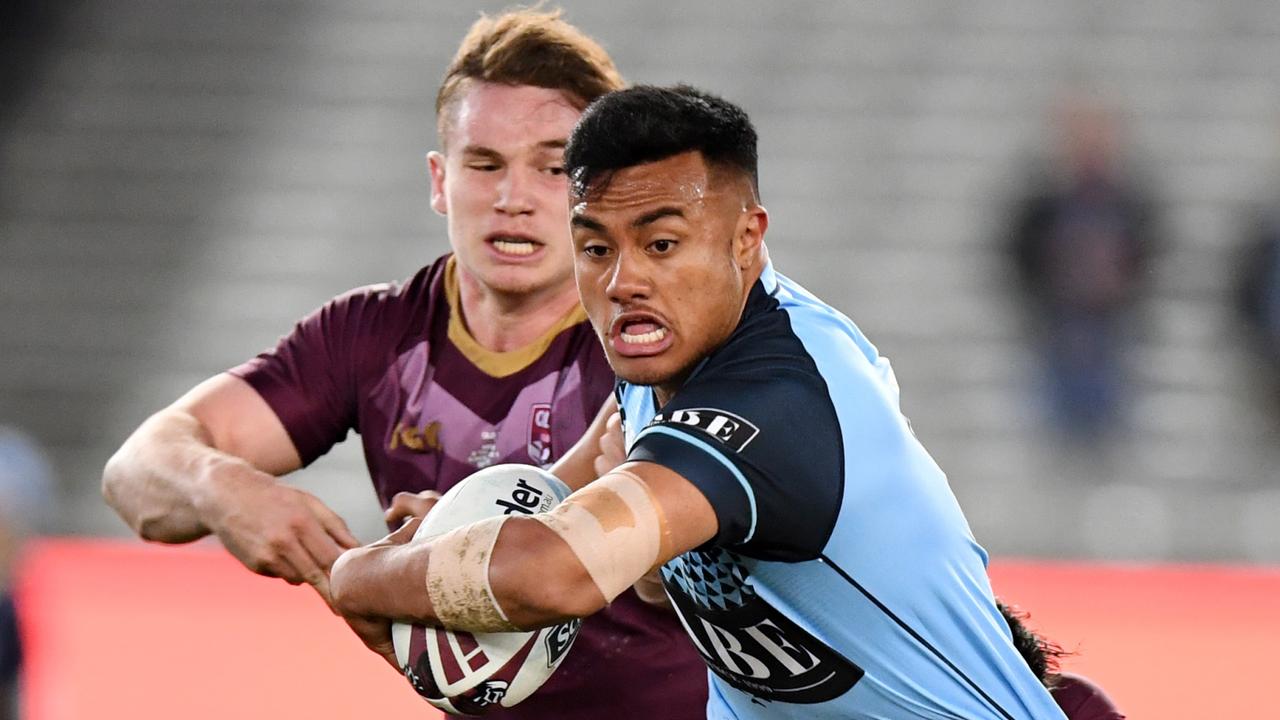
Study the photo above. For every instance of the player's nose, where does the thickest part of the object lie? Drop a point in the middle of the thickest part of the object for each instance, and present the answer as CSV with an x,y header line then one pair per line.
x,y
515,193
628,278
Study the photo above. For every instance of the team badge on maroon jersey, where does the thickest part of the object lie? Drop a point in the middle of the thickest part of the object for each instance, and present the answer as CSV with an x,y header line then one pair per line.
x,y
540,433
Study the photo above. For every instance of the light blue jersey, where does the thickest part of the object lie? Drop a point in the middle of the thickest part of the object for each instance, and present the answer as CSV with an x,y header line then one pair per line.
x,y
843,581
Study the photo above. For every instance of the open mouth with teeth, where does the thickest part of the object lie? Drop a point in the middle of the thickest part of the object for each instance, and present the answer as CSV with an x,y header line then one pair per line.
x,y
514,245
640,336
642,333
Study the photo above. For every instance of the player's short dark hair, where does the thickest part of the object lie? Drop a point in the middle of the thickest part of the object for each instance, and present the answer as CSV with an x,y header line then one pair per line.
x,y
1041,655
528,46
647,123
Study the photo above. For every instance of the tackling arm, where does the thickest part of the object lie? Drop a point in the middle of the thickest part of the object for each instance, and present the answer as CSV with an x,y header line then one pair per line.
x,y
221,429
206,464
543,569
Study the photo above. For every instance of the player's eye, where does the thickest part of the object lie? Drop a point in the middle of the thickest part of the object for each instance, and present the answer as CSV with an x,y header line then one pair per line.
x,y
484,166
662,246
556,170
596,250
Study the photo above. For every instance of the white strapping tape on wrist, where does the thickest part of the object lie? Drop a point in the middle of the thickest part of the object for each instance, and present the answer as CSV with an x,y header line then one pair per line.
x,y
458,578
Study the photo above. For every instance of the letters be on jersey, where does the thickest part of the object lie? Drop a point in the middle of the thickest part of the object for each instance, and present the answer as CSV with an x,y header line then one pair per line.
x,y
731,430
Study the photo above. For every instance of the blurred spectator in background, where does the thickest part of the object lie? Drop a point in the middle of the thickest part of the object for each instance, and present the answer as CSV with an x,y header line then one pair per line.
x,y
28,29
1259,297
1080,238
26,482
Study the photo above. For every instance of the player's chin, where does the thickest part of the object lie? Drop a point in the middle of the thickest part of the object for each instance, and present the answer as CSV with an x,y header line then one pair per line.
x,y
520,280
643,370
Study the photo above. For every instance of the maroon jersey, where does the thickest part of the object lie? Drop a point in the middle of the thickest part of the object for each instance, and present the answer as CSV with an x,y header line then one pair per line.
x,y
396,364
1081,699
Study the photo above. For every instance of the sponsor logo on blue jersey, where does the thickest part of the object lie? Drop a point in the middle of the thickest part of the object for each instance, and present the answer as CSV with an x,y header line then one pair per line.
x,y
746,641
730,429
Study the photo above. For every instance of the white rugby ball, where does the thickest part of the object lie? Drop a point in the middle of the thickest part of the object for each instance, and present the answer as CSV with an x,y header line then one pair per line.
x,y
471,673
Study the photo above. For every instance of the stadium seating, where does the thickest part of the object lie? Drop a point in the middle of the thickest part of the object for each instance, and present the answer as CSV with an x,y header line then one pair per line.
x,y
188,178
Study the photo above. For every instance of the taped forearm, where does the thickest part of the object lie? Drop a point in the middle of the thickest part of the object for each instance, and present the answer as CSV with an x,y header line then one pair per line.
x,y
616,529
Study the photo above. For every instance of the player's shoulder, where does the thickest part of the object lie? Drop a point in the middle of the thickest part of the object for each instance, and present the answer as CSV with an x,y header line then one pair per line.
x,y
790,337
407,292
378,307
849,363
763,346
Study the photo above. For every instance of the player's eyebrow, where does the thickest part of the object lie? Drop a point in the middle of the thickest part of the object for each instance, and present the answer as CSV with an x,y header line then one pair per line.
x,y
481,151
655,215
587,223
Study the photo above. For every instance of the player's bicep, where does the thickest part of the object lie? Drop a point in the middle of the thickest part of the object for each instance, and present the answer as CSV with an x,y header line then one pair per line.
x,y
688,519
717,479
241,423
767,457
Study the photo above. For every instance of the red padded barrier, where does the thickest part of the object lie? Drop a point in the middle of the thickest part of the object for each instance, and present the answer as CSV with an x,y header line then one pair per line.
x,y
125,630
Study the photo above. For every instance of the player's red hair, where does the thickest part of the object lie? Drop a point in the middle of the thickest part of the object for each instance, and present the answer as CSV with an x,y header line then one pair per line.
x,y
528,46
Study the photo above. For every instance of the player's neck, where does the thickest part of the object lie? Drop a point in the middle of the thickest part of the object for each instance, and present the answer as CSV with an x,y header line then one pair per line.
x,y
502,322
663,394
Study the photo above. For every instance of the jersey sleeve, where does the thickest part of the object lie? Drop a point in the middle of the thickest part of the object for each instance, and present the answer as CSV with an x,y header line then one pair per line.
x,y
766,453
310,378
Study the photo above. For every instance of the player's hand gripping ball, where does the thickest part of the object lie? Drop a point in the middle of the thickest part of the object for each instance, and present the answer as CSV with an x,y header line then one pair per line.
x,y
472,673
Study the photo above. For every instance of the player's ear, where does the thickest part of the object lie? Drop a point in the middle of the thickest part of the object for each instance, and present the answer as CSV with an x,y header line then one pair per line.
x,y
435,166
748,241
